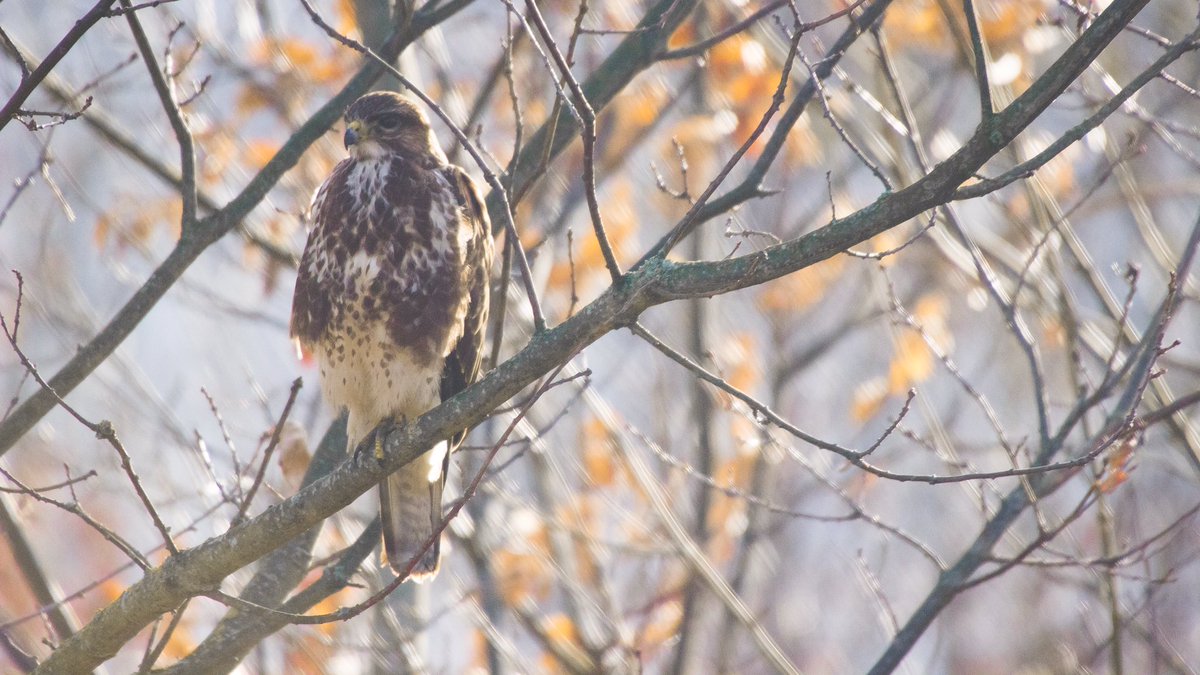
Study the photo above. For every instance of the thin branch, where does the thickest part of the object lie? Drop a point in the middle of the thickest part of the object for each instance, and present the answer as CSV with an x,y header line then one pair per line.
x,y
266,460
951,582
981,60
690,219
855,457
201,446
76,510
1026,169
751,185
103,430
633,55
61,617
129,9
823,98
111,131
700,565
698,48
170,105
155,649
68,482
588,134
346,613
31,82
56,118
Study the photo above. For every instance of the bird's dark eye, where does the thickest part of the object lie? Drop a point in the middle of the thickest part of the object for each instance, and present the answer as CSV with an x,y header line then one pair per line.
x,y
390,121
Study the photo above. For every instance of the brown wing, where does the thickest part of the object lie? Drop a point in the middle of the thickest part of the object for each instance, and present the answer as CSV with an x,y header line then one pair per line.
x,y
463,363
312,302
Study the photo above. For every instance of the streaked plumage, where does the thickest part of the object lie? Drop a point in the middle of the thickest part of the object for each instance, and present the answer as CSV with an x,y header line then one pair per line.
x,y
392,297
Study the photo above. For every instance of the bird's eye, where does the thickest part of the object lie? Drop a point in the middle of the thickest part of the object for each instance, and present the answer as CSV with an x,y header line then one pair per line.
x,y
389,122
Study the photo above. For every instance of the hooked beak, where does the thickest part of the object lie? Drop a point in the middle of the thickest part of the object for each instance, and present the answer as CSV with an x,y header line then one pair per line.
x,y
352,134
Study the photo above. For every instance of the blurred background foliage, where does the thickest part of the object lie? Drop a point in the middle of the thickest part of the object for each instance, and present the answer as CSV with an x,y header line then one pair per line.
x,y
562,561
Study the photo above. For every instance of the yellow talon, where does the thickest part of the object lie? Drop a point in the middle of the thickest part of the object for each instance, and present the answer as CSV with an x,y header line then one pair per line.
x,y
378,447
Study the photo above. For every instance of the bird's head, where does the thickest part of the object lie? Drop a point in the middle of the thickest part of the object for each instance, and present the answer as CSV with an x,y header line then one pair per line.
x,y
384,123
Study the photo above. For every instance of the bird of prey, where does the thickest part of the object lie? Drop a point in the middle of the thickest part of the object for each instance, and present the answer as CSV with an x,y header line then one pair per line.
x,y
392,298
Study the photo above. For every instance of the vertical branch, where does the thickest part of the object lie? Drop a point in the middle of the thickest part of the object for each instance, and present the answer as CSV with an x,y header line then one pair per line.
x,y
1107,527
65,625
700,564
981,60
689,653
271,445
587,133
170,104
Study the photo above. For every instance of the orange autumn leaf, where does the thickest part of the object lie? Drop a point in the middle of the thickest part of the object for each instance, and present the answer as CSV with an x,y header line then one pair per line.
x,y
734,473
599,464
1005,22
800,290
911,364
916,23
736,56
521,577
111,589
930,313
560,628
620,224
295,60
259,152
913,361
136,221
346,16
884,241
737,363
923,23
742,370
663,625
1117,466
180,644
218,149
329,604
250,99
294,455
868,399
100,231
1054,333
683,36
308,654
629,117
479,651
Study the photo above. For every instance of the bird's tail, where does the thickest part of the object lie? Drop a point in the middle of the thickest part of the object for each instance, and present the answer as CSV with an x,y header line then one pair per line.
x,y
410,508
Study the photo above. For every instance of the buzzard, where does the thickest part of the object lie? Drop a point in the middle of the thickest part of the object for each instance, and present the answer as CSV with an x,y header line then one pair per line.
x,y
392,299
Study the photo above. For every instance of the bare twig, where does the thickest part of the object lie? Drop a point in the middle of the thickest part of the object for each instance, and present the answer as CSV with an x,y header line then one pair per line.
x,y
170,105
588,133
26,561
1025,169
980,51
346,613
31,82
56,118
271,445
103,430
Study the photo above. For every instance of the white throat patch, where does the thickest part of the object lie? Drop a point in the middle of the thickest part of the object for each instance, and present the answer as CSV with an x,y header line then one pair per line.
x,y
367,149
